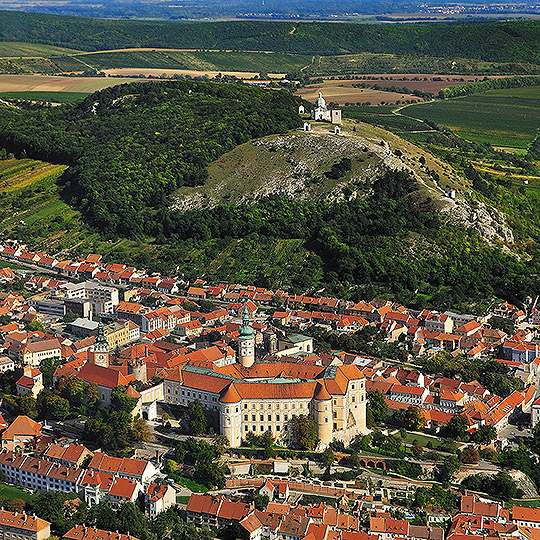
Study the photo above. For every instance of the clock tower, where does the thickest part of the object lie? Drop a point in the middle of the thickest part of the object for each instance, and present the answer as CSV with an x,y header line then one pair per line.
x,y
101,348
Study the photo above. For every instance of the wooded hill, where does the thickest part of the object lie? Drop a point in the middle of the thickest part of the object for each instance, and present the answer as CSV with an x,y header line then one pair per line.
x,y
130,146
515,41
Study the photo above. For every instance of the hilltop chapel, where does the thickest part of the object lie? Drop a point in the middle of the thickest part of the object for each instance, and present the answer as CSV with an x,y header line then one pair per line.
x,y
321,113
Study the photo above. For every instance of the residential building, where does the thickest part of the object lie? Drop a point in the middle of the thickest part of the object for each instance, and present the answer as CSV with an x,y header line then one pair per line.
x,y
158,498
81,532
14,525
22,432
34,353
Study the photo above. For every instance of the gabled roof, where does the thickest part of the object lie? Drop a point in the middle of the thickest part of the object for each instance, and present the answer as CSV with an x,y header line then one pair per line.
x,y
102,376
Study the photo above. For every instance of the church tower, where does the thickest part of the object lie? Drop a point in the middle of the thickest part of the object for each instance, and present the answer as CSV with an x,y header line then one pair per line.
x,y
246,341
101,348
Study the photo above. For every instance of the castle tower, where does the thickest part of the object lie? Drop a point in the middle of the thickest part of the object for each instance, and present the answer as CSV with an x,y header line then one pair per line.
x,y
246,341
137,366
323,413
270,342
101,348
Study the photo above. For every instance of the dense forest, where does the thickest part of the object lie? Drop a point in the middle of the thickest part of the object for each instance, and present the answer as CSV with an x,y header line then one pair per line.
x,y
513,41
130,146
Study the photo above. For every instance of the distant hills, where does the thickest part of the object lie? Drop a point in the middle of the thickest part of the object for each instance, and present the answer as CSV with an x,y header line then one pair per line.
x,y
517,41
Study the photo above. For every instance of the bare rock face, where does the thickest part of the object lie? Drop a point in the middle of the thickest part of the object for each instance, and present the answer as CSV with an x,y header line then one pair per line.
x,y
525,483
487,221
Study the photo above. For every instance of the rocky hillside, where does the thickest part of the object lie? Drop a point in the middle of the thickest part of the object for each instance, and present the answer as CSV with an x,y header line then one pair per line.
x,y
299,166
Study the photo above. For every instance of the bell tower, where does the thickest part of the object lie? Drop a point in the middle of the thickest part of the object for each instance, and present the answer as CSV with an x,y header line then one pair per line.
x,y
246,341
101,348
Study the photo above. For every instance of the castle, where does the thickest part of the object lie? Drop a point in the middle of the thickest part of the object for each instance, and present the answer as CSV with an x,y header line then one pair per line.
x,y
321,113
259,396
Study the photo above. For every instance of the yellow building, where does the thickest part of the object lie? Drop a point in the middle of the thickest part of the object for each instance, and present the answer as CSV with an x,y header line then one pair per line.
x,y
266,395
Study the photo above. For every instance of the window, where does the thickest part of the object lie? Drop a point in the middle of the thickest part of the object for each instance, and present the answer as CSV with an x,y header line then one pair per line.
x,y
326,419
246,428
262,428
245,417
278,428
269,417
261,417
245,405
286,417
277,417
334,415
354,399
352,386
253,418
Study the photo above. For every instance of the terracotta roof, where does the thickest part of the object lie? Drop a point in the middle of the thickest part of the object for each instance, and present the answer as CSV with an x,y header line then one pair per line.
x,y
22,425
231,395
81,532
124,488
526,514
102,376
22,521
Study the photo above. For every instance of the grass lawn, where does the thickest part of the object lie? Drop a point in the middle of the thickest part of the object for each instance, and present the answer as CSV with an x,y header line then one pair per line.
x,y
422,439
13,492
182,499
507,118
191,484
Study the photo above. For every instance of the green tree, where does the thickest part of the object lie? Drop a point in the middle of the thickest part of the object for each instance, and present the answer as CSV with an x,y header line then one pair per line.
x,y
377,406
470,455
260,501
197,419
456,427
121,402
327,457
28,406
139,430
484,435
414,418
304,432
50,406
446,471
71,388
417,449
102,516
69,317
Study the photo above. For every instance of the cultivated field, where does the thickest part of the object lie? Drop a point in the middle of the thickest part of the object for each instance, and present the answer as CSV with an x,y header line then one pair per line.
x,y
43,83
507,118
340,93
54,97
423,81
14,49
135,72
197,60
